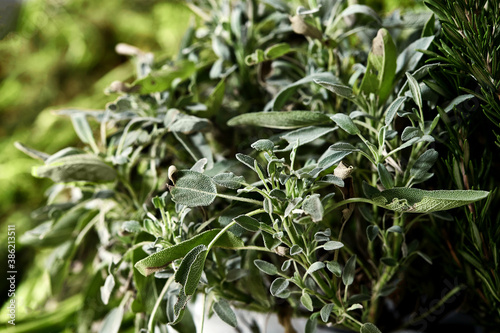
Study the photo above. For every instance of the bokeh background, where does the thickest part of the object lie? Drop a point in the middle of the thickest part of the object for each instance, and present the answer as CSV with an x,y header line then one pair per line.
x,y
56,54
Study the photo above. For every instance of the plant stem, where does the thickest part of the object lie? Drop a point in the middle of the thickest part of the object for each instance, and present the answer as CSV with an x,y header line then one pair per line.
x,y
157,304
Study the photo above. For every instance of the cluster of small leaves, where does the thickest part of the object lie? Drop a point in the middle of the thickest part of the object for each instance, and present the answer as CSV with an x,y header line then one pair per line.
x,y
177,212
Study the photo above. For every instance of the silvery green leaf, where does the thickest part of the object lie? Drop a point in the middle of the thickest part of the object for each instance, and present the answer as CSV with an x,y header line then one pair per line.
x,y
338,89
82,167
409,58
415,90
193,189
161,259
107,288
315,267
277,50
331,179
410,133
306,301
295,249
281,97
248,223
325,312
313,207
291,206
360,9
424,163
396,229
355,306
372,232
31,152
82,128
349,271
162,79
224,311
286,264
385,177
229,180
189,124
332,245
280,120
393,109
331,157
278,287
199,166
456,101
369,328
112,321
346,123
334,267
266,267
195,266
131,226
305,135
412,200
343,146
311,325
278,194
263,145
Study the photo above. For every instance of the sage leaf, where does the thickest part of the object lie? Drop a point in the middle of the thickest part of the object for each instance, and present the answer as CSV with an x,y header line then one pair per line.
x,y
265,267
81,167
33,153
295,249
284,94
248,223
162,79
349,270
107,288
305,135
191,268
424,163
381,67
280,120
412,200
277,50
112,321
332,245
325,312
315,267
385,177
335,268
415,90
369,328
306,301
82,128
193,189
312,206
161,259
229,180
224,312
278,288
346,123
263,145
338,89
393,109
372,232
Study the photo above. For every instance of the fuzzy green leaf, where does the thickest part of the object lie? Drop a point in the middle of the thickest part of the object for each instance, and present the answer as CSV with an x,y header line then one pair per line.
x,y
306,301
415,90
349,270
280,120
162,79
161,259
346,123
335,268
224,311
191,268
393,109
248,223
229,180
338,89
369,328
193,189
325,312
385,176
81,167
412,200
332,245
265,267
278,288
313,207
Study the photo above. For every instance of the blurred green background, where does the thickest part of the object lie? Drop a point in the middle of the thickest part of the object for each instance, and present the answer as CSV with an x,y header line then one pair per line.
x,y
56,54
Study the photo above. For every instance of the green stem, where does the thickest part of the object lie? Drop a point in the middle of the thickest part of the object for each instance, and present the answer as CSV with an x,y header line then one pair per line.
x,y
231,197
212,243
157,304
